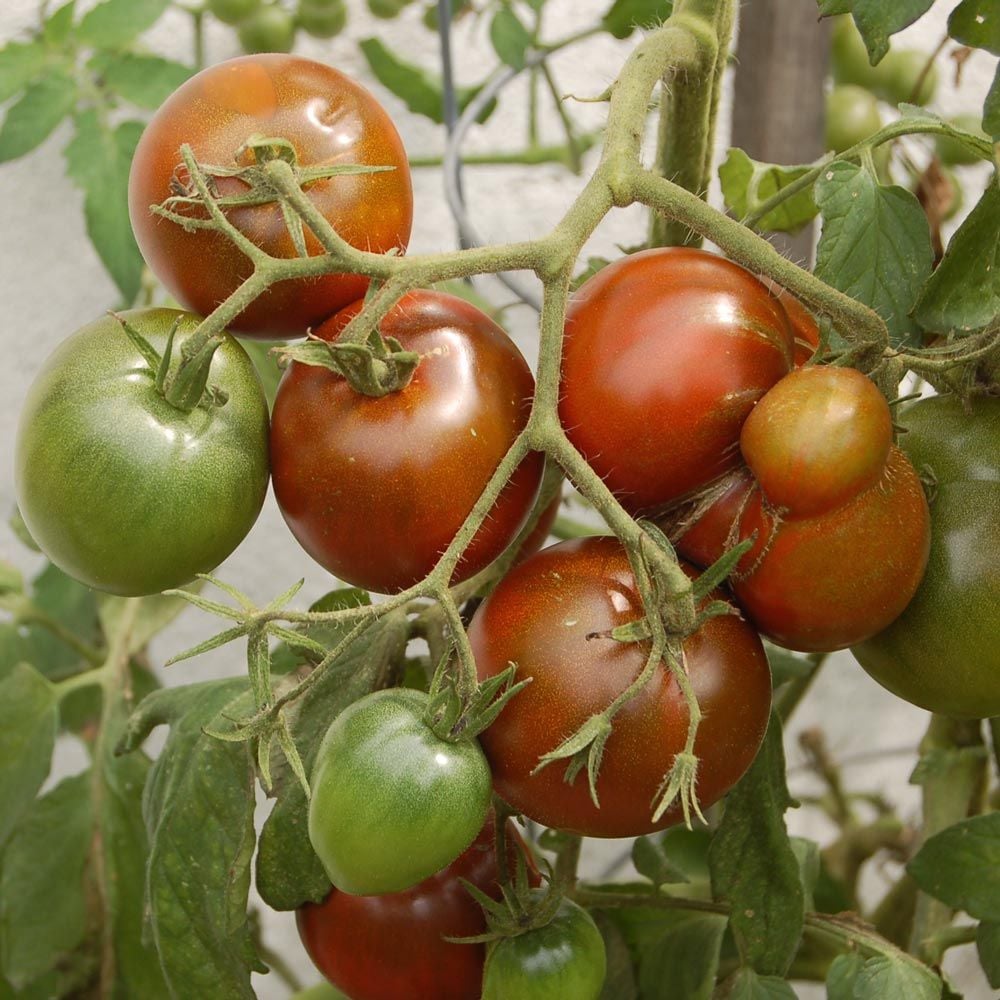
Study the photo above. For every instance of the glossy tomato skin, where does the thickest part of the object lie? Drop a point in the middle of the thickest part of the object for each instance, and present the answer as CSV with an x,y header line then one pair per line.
x,y
329,119
666,353
941,653
392,946
565,958
392,802
540,617
121,490
376,489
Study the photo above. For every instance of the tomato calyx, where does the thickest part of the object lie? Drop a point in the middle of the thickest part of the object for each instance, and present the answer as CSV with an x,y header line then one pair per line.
x,y
185,386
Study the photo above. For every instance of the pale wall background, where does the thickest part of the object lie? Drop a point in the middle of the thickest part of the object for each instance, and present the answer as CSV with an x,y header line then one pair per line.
x,y
51,283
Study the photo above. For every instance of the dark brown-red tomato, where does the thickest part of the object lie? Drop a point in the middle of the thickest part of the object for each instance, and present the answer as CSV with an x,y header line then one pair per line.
x,y
328,119
666,353
549,616
375,489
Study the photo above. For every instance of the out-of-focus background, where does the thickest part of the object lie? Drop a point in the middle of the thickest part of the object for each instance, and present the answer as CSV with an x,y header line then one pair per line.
x,y
51,282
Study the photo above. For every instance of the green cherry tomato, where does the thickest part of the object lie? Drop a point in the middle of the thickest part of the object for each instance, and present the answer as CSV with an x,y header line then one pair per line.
x,y
565,958
322,19
391,801
851,116
123,491
900,71
270,29
954,152
233,11
942,653
849,60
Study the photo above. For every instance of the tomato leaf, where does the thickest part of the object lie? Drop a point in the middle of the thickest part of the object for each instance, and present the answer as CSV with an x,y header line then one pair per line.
x,y
420,89
144,80
288,871
99,160
841,975
45,860
651,860
991,108
976,23
624,16
964,292
511,39
961,866
682,963
20,63
748,985
988,948
58,25
198,807
114,23
619,979
35,116
875,244
808,857
29,718
154,615
878,19
891,977
754,867
747,184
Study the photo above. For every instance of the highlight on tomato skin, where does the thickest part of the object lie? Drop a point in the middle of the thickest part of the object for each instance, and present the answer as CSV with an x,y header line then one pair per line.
x,y
408,466
551,616
392,946
329,119
665,354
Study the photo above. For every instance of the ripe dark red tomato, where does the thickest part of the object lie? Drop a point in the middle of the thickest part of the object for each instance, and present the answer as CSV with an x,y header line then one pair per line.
x,y
376,489
328,119
666,353
543,617
388,947
838,514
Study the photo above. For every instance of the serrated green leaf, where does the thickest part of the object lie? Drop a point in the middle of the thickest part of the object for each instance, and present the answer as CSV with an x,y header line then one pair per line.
x,y
20,63
878,19
114,23
842,975
886,977
144,80
36,115
45,860
875,244
682,963
748,985
976,23
29,718
624,16
99,161
511,39
419,88
991,108
288,871
59,24
963,294
747,184
198,809
754,867
961,866
988,949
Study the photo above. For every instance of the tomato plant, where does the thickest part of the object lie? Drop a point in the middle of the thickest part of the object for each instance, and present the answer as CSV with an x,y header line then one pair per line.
x,y
851,116
564,958
328,119
411,464
666,353
119,488
837,515
550,616
940,653
385,947
392,802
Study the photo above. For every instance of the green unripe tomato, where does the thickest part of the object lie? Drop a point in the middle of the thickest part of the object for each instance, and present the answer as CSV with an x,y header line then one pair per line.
x,y
270,29
942,653
120,489
565,958
849,61
392,803
387,8
851,116
321,18
233,11
898,74
954,152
